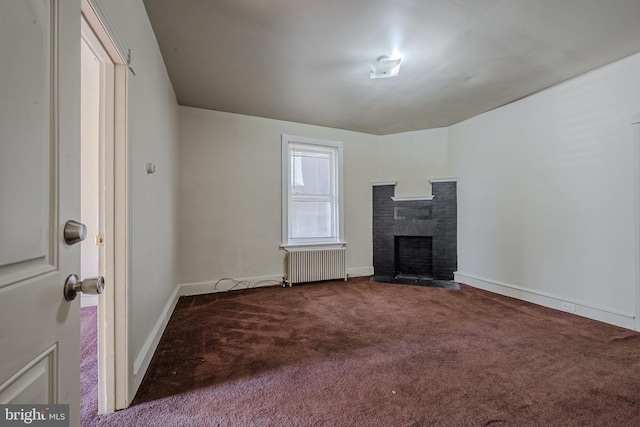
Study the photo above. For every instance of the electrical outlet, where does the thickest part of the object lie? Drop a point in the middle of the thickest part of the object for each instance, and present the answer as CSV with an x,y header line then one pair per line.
x,y
567,306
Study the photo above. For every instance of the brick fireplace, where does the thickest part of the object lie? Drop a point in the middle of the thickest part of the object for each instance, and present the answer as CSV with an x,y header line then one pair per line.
x,y
416,236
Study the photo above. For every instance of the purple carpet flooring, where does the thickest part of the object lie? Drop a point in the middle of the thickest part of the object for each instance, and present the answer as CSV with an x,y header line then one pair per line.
x,y
89,366
360,353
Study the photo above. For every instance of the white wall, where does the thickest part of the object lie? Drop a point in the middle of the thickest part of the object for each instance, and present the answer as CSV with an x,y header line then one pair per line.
x,y
547,193
412,159
152,137
230,196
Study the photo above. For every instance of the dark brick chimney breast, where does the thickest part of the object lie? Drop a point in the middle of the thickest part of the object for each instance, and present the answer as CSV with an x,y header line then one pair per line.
x,y
408,231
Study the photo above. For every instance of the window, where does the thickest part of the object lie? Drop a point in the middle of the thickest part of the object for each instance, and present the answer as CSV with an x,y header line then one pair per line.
x,y
311,191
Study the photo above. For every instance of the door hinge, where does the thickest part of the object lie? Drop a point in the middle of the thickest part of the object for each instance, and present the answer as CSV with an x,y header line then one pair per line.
x,y
100,240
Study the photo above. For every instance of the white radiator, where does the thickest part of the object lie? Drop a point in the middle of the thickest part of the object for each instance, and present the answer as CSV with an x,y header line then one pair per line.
x,y
315,265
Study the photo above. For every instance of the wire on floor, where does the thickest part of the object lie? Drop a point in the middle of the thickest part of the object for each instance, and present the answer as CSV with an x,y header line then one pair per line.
x,y
244,284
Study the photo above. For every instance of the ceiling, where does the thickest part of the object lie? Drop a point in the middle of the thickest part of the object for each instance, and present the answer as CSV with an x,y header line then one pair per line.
x,y
308,61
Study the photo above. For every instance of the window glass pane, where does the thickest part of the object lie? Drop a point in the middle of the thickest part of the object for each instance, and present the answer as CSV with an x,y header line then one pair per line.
x,y
311,219
311,172
297,180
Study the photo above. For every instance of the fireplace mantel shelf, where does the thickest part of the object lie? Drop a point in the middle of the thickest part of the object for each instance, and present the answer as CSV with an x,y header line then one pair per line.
x,y
411,199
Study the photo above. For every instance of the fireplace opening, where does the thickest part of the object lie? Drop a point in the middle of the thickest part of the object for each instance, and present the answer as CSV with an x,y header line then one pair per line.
x,y
414,256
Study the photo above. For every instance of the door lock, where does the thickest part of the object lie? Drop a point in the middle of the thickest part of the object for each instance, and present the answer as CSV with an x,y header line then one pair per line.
x,y
74,232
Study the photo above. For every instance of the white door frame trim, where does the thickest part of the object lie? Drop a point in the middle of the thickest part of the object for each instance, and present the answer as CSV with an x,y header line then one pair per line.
x,y
113,351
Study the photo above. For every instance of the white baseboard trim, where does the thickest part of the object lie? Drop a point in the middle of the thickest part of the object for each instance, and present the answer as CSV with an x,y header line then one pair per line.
x,y
360,271
227,284
602,314
142,361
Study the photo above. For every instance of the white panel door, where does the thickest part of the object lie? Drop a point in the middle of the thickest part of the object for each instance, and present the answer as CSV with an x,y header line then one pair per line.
x,y
39,192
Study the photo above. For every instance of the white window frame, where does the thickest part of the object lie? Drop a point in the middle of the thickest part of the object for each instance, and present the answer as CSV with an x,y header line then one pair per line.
x,y
287,241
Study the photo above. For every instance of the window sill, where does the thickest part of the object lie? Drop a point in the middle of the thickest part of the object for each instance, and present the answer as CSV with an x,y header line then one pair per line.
x,y
411,199
292,247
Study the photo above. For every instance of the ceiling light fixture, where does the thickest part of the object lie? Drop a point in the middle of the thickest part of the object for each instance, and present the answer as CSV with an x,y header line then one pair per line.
x,y
385,67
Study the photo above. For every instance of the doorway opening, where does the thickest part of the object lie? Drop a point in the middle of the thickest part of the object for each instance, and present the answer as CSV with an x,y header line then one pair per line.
x,y
90,166
90,260
104,205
